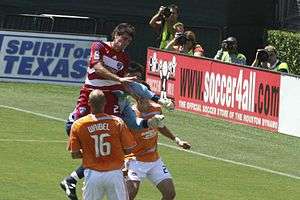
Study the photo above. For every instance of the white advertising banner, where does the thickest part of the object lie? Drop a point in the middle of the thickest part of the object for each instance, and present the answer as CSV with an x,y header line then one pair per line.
x,y
289,110
40,57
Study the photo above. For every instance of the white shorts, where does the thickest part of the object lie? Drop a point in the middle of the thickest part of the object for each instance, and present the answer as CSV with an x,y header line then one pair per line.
x,y
155,171
97,184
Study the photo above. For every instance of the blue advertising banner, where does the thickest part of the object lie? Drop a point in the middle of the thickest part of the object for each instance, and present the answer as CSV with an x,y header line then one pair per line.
x,y
40,57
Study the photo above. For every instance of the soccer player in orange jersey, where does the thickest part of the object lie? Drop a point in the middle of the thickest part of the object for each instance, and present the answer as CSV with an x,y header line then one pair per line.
x,y
147,162
118,105
102,141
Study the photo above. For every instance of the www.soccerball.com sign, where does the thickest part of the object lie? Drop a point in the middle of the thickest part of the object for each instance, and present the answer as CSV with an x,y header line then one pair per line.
x,y
40,57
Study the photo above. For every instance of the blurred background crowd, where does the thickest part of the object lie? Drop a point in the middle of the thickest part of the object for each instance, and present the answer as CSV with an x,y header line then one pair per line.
x,y
258,33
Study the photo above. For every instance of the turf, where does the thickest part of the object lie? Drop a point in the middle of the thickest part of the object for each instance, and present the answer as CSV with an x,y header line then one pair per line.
x,y
34,157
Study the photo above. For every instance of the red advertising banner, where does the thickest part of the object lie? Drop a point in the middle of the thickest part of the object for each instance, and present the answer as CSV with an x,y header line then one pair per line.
x,y
160,72
231,92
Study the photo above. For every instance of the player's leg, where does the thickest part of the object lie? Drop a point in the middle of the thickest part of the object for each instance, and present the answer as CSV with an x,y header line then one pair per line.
x,y
133,188
167,189
93,185
144,92
137,171
160,176
135,123
141,90
82,109
115,185
68,184
128,114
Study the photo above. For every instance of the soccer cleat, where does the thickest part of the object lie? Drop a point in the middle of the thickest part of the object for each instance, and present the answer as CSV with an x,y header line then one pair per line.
x,y
167,103
156,121
69,188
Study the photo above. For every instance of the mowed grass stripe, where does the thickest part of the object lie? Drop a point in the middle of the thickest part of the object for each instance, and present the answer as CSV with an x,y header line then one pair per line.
x,y
166,145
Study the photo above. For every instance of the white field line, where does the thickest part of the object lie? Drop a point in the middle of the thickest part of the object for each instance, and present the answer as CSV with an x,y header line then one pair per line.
x,y
25,140
162,144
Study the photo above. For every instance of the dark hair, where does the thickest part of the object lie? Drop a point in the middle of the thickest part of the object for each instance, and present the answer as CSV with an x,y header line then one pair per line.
x,y
122,29
190,35
271,48
135,67
231,40
173,6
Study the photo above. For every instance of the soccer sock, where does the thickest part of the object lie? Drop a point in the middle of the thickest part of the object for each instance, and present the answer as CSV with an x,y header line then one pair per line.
x,y
145,123
80,172
76,175
155,98
73,178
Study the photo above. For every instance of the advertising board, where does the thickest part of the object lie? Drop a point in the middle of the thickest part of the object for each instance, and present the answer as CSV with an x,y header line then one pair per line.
x,y
207,87
40,57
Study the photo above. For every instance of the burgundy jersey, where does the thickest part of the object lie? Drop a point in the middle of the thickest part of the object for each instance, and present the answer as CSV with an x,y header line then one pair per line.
x,y
112,106
82,107
115,62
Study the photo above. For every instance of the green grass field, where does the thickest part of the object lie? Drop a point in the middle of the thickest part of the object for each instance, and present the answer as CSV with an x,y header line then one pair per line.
x,y
227,161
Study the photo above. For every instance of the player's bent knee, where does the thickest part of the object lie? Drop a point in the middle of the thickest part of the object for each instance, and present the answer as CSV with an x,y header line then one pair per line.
x,y
133,187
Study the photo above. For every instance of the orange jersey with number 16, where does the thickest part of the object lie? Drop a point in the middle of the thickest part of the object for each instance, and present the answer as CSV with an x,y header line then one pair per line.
x,y
101,138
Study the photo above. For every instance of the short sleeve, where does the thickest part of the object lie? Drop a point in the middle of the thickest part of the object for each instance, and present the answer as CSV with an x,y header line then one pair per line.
x,y
96,53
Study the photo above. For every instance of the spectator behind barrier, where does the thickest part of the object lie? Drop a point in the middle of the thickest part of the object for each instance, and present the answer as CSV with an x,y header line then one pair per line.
x,y
267,58
229,52
179,28
186,43
163,22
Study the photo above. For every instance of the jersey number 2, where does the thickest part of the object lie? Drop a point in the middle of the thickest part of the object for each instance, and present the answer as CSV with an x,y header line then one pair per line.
x,y
102,148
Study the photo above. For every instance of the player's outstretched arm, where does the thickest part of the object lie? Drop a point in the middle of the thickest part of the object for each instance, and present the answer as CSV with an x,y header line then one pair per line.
x,y
100,70
181,143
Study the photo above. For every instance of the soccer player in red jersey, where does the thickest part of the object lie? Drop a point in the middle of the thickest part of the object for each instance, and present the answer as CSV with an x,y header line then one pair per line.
x,y
106,71
109,64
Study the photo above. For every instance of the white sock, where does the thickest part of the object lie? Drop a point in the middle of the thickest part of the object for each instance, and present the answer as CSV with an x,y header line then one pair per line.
x,y
74,175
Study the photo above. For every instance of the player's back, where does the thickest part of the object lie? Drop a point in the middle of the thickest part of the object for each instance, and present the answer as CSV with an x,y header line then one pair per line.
x,y
112,101
102,138
112,106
